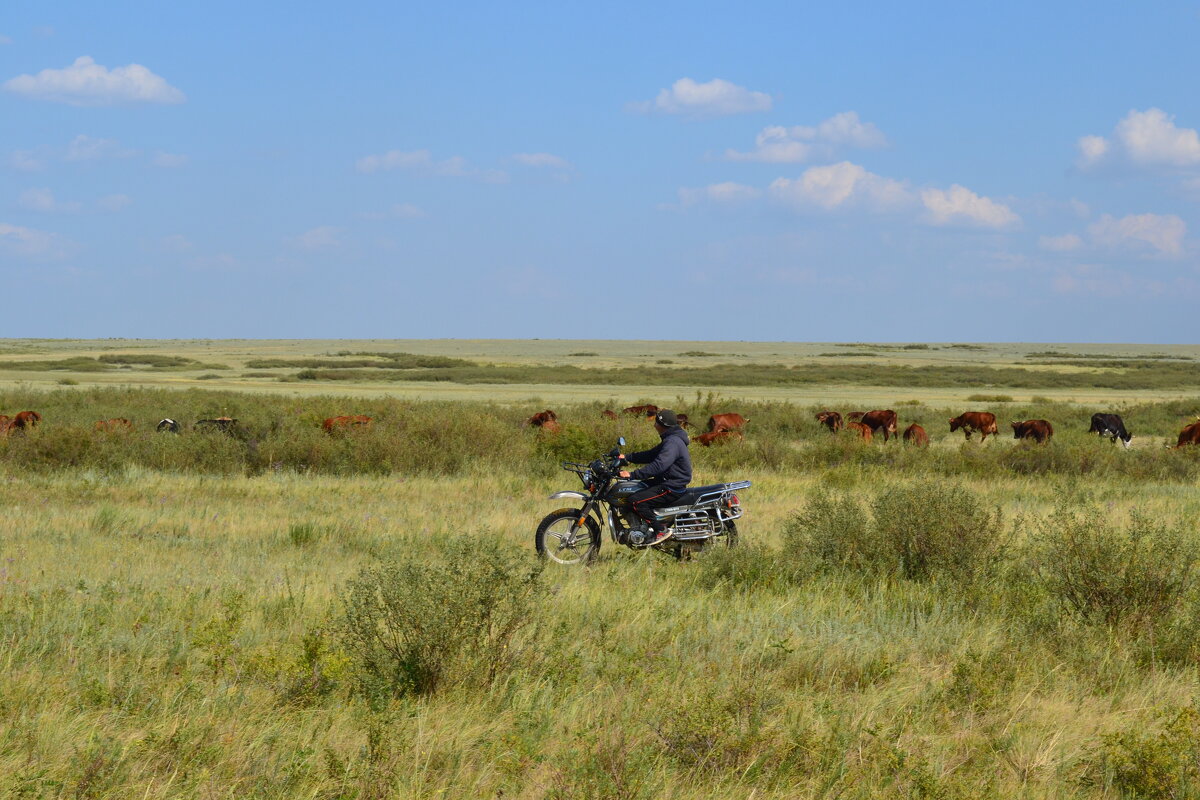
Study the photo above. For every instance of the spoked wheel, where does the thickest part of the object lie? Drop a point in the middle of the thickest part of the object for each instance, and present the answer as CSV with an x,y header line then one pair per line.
x,y
561,539
730,539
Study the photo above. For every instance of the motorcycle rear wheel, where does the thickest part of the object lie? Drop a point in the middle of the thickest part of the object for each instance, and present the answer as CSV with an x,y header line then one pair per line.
x,y
731,534
555,531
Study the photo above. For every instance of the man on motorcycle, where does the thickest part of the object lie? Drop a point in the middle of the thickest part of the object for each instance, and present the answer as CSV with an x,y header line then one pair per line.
x,y
667,472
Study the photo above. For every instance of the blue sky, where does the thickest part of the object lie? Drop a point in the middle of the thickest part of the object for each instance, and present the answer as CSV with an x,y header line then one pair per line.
x,y
931,172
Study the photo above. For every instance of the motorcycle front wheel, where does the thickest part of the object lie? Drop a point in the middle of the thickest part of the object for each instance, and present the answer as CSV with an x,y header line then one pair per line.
x,y
561,539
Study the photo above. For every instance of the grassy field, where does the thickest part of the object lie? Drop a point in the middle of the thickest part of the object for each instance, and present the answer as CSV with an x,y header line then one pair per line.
x,y
191,616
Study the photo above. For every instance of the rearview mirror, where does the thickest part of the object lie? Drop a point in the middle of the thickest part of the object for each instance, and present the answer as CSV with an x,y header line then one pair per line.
x,y
620,441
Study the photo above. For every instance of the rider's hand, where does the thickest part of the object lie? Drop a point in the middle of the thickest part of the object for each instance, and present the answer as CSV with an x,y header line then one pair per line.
x,y
623,473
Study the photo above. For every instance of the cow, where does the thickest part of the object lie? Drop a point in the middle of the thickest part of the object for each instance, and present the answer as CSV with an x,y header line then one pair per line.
x,y
971,421
855,416
683,420
1037,429
168,425
222,424
344,422
1189,435
915,435
642,411
726,422
550,426
859,428
718,437
881,420
831,420
540,419
24,420
114,425
1110,425
607,414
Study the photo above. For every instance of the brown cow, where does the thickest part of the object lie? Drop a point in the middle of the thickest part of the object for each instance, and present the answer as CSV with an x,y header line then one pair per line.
x,y
344,422
855,416
24,420
862,430
550,426
539,419
915,435
970,421
726,422
114,425
608,414
1037,429
642,411
1189,435
683,420
885,420
831,420
718,437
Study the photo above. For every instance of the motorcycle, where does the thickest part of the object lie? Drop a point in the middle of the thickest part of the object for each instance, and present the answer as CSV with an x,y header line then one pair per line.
x,y
703,516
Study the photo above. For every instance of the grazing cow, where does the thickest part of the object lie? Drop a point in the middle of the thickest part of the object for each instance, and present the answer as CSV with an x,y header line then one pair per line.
x,y
550,426
168,425
540,419
114,425
1110,425
344,423
608,414
855,416
642,411
24,420
885,420
726,422
862,430
683,420
831,420
1189,435
915,435
718,437
222,424
971,421
1037,429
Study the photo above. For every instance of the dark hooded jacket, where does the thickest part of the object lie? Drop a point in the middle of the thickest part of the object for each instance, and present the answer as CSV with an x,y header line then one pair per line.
x,y
668,463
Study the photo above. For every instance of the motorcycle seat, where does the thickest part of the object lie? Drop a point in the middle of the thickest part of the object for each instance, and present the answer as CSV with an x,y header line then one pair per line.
x,y
693,493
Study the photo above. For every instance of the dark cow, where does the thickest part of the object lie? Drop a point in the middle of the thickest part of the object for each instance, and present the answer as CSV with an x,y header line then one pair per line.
x,y
168,425
855,416
859,428
114,425
1037,429
221,424
1189,435
718,437
683,420
971,421
344,423
881,420
915,435
642,411
1110,425
540,419
831,420
608,414
726,422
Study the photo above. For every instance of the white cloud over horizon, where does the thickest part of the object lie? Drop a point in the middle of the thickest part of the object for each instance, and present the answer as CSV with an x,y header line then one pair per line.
x,y
43,201
320,237
28,242
716,98
727,192
1060,244
86,83
842,184
959,205
1147,138
1162,232
88,148
780,145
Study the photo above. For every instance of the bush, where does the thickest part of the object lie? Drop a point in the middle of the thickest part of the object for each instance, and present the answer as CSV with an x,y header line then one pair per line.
x,y
1154,764
836,531
414,625
1105,574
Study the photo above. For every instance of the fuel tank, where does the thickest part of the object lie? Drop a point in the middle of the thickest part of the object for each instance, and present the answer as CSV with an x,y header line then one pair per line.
x,y
619,493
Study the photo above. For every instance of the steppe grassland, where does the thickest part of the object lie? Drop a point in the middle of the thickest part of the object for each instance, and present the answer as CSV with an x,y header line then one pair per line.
x,y
155,627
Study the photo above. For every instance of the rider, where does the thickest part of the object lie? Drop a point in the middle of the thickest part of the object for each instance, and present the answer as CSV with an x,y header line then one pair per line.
x,y
667,472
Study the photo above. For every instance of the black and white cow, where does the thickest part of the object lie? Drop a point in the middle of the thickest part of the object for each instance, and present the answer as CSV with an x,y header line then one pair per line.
x,y
168,425
1110,425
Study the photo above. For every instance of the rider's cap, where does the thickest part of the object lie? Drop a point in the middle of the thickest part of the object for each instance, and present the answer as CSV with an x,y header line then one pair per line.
x,y
666,417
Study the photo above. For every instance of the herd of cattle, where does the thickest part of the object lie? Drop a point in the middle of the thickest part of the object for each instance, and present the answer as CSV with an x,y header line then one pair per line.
x,y
26,420
867,424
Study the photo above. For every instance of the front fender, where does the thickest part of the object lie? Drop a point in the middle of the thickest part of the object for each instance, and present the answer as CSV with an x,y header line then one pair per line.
x,y
569,493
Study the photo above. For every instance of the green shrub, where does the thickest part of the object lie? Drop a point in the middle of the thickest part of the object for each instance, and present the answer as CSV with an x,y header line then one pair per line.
x,y
836,531
1163,763
1106,574
746,567
414,625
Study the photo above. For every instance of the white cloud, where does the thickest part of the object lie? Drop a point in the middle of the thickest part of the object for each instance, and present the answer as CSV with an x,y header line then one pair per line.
x,y
542,160
842,184
15,240
25,160
86,83
169,160
319,237
727,192
87,148
42,201
114,202
422,160
1060,244
1092,150
713,99
960,205
1163,232
1147,138
780,145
